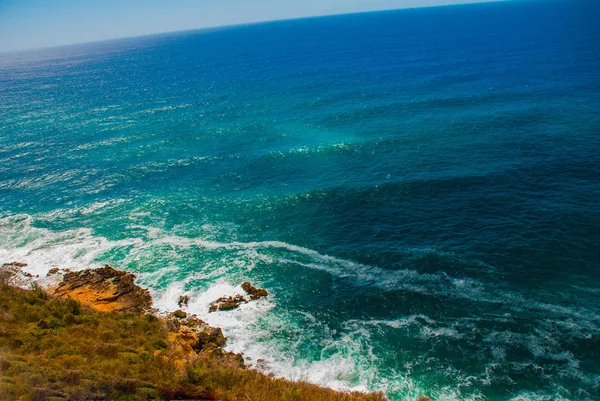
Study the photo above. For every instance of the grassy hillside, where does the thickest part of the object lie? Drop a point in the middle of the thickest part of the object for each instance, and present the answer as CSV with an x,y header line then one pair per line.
x,y
54,349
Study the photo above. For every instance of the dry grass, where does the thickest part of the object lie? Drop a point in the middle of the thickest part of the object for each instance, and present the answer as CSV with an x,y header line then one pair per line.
x,y
52,349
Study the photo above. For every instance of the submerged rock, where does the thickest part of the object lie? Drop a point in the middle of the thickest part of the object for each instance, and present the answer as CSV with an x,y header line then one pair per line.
x,y
16,264
104,289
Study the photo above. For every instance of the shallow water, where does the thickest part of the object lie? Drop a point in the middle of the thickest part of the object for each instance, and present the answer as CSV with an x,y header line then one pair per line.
x,y
417,189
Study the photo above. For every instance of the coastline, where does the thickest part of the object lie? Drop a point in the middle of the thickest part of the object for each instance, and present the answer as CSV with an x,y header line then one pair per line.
x,y
257,329
106,290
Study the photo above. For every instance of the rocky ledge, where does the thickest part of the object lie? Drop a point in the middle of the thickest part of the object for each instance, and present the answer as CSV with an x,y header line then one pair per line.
x,y
104,289
13,274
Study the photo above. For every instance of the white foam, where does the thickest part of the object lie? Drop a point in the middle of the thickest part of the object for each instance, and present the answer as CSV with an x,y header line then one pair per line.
x,y
238,325
345,363
347,360
538,396
43,249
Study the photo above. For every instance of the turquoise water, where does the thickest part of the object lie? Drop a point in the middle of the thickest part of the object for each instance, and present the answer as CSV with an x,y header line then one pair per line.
x,y
418,190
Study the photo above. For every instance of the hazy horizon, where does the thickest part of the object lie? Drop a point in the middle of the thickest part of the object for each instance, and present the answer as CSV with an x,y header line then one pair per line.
x,y
34,24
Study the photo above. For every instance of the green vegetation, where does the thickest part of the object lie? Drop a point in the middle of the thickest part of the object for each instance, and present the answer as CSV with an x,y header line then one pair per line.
x,y
54,349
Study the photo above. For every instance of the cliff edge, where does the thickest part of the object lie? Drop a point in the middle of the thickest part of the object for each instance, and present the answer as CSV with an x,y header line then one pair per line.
x,y
104,289
93,335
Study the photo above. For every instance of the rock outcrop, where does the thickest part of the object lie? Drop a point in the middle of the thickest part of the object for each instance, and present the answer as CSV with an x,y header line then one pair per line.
x,y
255,293
13,274
184,300
227,303
232,302
194,337
105,290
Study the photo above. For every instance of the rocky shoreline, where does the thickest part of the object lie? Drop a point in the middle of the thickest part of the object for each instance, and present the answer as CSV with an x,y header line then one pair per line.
x,y
190,347
106,289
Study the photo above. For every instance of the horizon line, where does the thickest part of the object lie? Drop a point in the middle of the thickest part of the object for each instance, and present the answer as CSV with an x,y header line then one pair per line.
x,y
242,24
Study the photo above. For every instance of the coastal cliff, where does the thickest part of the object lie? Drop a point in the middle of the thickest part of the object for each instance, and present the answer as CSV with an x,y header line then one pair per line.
x,y
93,335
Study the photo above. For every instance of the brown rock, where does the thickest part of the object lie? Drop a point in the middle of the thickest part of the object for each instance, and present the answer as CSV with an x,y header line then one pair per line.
x,y
183,301
191,321
255,293
13,274
193,336
8,271
261,364
227,303
104,289
209,337
17,264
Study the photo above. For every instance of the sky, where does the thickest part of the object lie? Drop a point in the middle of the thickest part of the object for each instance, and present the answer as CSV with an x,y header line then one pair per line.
x,y
30,24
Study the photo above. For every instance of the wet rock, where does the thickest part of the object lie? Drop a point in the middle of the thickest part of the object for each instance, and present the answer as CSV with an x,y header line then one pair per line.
x,y
227,303
232,302
184,300
17,264
8,270
13,274
104,289
255,293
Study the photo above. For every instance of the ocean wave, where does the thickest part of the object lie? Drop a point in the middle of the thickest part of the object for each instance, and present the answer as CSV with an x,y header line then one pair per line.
x,y
44,249
18,230
340,147
19,145
295,343
41,181
161,166
107,142
161,109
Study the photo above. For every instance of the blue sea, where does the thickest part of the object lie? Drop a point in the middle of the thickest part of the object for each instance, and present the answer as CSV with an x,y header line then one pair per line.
x,y
418,190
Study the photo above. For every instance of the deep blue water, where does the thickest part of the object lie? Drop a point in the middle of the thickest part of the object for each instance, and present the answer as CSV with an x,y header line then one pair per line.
x,y
419,190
